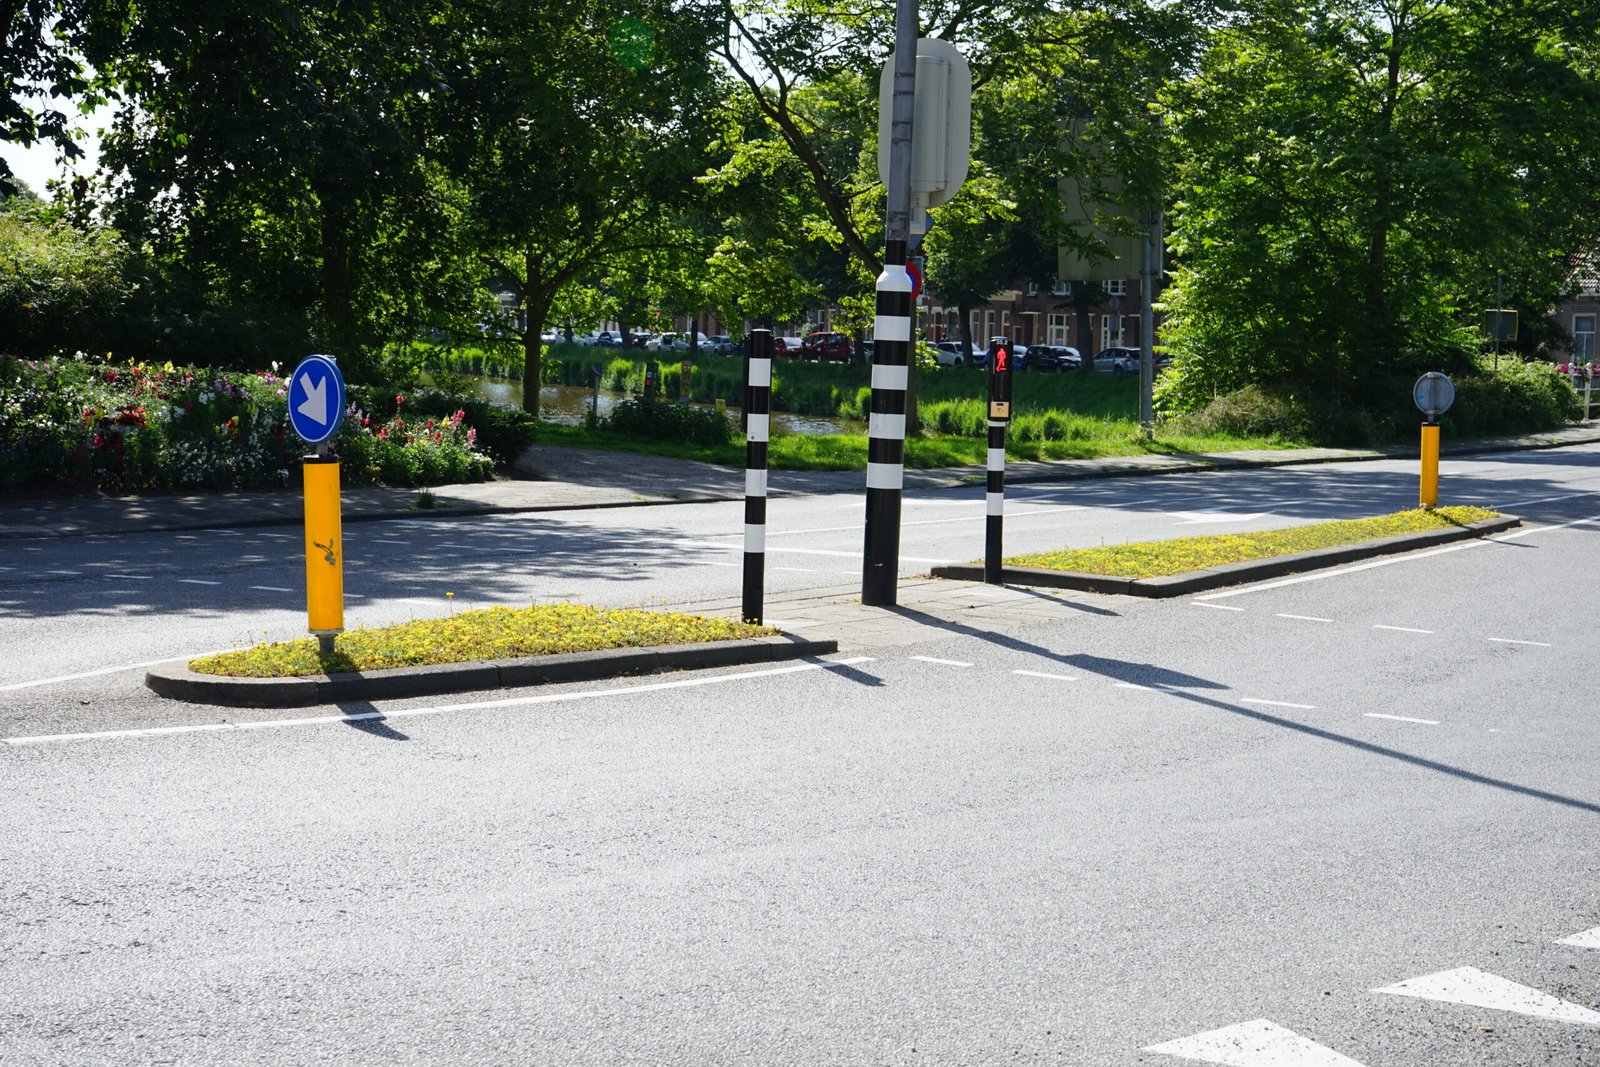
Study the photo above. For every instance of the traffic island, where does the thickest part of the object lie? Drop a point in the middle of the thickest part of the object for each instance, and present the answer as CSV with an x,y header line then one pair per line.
x,y
492,648
178,682
1237,572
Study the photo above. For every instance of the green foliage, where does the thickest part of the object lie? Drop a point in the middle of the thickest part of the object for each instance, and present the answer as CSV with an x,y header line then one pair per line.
x,y
63,288
667,421
491,633
68,423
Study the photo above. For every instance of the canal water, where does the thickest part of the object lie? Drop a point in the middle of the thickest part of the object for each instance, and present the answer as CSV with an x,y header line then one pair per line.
x,y
570,403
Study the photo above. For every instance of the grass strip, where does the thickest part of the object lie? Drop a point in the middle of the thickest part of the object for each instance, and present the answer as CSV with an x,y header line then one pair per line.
x,y
1158,559
490,633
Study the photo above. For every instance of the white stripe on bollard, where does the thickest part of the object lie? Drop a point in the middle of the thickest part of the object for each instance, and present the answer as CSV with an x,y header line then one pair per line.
x,y
755,538
757,427
755,482
881,424
891,377
891,328
996,503
885,475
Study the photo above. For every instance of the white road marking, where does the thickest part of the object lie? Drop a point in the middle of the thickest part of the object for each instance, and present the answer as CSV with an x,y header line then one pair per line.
x,y
1195,518
104,670
1135,685
1470,986
407,713
1219,607
771,548
272,588
69,574
1515,641
946,662
355,596
196,581
1587,939
1544,500
1259,1043
130,577
714,563
798,570
1279,704
933,522
1401,629
379,541
1302,618
1402,718
1044,674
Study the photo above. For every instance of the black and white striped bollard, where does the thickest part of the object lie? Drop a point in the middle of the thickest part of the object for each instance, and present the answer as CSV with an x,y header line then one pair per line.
x,y
995,497
757,409
886,428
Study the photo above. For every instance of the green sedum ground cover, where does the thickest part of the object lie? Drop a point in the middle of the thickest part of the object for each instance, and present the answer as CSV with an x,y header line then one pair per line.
x,y
491,633
1158,559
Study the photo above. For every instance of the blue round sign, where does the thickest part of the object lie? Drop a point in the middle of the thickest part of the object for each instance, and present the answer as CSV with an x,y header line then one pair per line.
x,y
316,399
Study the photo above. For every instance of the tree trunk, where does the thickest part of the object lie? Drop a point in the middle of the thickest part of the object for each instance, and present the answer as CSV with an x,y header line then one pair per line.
x,y
538,303
965,331
1082,307
338,286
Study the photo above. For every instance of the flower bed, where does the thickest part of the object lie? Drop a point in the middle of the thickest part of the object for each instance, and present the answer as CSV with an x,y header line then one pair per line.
x,y
68,423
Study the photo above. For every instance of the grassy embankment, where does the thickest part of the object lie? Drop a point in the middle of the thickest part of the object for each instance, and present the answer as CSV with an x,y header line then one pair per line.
x,y
1157,559
1057,416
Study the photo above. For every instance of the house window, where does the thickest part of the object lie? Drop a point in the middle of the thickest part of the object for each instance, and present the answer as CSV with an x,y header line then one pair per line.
x,y
1033,288
1005,323
1058,289
1117,287
1058,330
1583,338
1110,330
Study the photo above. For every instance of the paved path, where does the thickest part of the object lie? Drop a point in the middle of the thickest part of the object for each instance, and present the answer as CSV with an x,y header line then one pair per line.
x,y
552,478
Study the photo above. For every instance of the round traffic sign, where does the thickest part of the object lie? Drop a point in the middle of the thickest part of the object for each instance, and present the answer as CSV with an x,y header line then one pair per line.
x,y
916,280
1433,393
316,399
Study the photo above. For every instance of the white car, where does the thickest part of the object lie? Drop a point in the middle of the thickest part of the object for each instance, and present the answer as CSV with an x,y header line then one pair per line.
x,y
954,354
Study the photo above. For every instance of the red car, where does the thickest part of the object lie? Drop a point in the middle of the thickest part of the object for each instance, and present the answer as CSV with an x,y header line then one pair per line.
x,y
826,346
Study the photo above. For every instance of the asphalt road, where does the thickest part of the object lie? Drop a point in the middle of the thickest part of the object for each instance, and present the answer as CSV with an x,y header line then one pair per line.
x,y
1059,830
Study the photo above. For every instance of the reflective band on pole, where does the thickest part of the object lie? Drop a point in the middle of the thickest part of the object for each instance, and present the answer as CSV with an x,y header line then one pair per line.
x,y
891,377
885,475
996,503
997,459
757,406
890,329
881,425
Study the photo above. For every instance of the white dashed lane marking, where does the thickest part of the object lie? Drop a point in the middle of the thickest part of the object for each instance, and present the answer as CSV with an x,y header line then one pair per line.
x,y
1475,988
1218,607
1302,618
272,588
945,662
1043,674
1279,704
1400,629
1259,1043
1515,641
196,581
1587,939
1402,718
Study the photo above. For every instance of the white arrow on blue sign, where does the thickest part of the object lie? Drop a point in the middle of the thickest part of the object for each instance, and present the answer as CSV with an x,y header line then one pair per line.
x,y
316,399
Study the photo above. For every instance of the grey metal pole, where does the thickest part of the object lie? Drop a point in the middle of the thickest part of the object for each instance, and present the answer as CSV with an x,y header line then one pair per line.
x,y
891,348
1147,329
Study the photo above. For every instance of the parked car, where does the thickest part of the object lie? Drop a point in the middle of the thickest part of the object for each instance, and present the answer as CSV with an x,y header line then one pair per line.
x,y
953,354
661,342
1051,358
680,343
719,345
787,346
1123,360
826,346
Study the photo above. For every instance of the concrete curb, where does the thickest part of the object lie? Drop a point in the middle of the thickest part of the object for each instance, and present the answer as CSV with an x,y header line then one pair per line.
x,y
1230,573
176,681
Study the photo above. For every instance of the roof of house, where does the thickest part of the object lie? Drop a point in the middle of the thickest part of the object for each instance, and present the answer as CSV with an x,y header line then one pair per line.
x,y
1586,272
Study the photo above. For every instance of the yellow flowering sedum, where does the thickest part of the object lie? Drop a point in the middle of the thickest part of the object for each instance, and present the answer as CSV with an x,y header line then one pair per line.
x,y
492,633
1157,559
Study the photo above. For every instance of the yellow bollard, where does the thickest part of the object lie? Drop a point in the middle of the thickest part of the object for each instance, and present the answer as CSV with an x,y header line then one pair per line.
x,y
324,547
1429,496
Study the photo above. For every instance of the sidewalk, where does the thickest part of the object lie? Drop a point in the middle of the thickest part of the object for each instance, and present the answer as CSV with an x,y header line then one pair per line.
x,y
549,478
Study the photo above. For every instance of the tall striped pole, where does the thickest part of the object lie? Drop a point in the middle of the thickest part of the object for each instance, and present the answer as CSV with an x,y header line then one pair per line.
x,y
757,408
886,429
995,497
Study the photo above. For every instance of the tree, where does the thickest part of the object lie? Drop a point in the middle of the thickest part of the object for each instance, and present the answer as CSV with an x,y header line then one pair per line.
x,y
1349,174
577,130
37,63
276,156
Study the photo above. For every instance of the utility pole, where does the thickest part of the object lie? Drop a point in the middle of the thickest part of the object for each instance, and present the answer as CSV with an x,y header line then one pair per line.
x,y
1149,271
891,349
